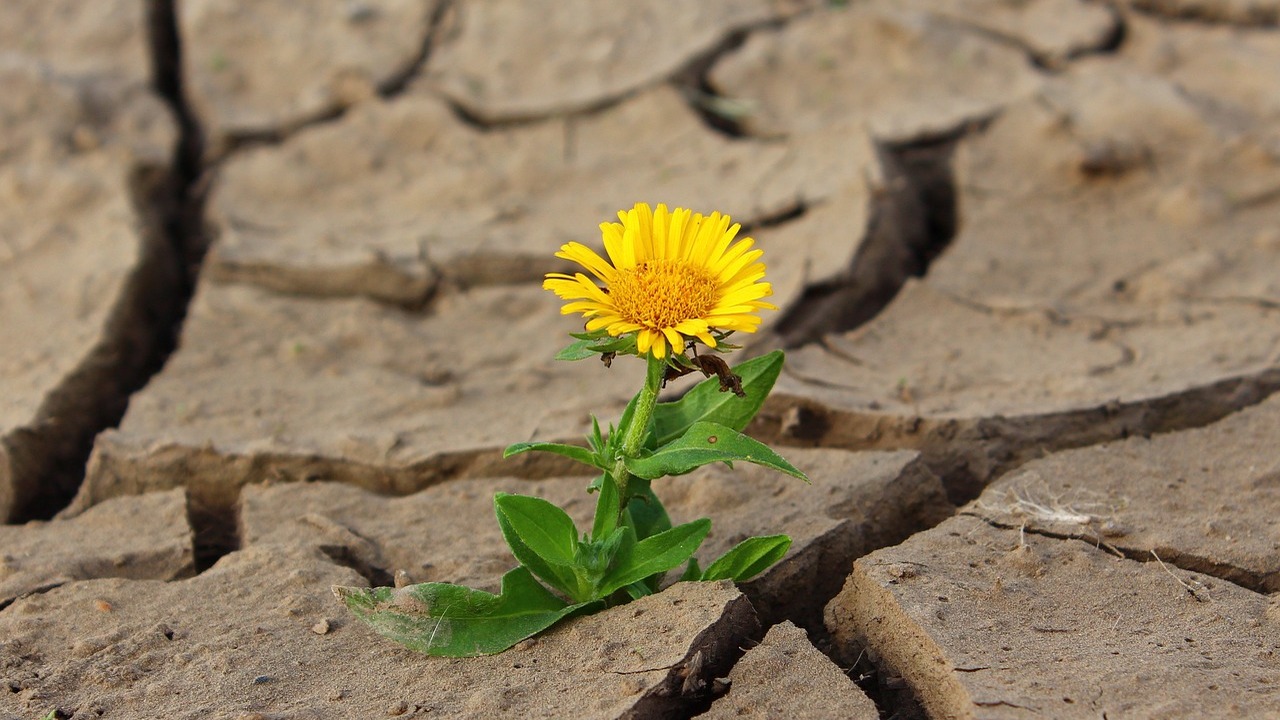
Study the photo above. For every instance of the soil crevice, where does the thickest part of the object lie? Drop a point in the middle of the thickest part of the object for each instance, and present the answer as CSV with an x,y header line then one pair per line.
x,y
912,222
1166,557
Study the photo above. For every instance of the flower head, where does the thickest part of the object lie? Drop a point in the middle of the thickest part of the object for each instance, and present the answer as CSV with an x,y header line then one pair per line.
x,y
670,276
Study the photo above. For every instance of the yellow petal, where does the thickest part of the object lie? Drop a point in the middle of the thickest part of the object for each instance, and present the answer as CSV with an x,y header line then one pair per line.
x,y
675,236
673,337
721,244
732,254
722,311
629,239
740,323
612,234
747,294
661,228
599,322
644,222
708,235
587,258
590,307
659,347
738,264
566,289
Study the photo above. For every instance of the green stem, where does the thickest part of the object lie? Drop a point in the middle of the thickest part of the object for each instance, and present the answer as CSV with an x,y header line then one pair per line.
x,y
634,433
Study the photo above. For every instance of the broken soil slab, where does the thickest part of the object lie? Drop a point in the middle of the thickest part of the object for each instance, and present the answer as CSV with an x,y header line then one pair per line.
x,y
932,356
1138,196
581,54
87,273
785,676
144,538
261,633
266,387
415,538
1229,70
1095,290
858,502
1203,499
266,67
902,74
397,196
985,622
1051,31
978,390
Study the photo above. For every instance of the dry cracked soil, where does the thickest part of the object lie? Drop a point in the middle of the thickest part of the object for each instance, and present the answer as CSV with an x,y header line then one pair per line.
x,y
269,291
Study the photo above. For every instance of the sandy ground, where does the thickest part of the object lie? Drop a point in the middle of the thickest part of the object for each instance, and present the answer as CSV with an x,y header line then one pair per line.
x,y
269,291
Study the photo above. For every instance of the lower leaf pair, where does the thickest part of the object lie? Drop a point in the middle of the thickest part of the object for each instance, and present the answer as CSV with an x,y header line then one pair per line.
x,y
544,539
455,621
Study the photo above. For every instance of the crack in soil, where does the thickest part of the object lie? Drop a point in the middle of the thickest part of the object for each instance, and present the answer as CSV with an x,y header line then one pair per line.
x,y
212,503
718,112
33,591
1240,577
348,558
48,462
1205,13
1049,62
390,88
398,83
887,259
912,222
967,453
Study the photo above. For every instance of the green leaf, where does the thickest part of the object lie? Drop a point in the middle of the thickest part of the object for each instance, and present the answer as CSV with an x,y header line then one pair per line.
x,y
705,402
542,537
589,344
692,571
637,590
654,555
593,559
574,452
454,621
607,505
595,440
705,443
648,516
748,558
578,350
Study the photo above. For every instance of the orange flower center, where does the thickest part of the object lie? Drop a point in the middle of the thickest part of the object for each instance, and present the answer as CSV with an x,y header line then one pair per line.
x,y
663,293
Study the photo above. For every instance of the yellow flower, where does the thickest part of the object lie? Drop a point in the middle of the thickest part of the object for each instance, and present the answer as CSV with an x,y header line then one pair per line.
x,y
670,276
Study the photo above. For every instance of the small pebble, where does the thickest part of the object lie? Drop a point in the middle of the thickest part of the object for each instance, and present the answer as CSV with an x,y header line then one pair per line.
x,y
103,605
321,627
397,708
262,679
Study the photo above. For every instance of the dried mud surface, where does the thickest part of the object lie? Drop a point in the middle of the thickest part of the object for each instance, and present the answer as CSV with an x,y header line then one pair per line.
x,y
1027,261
